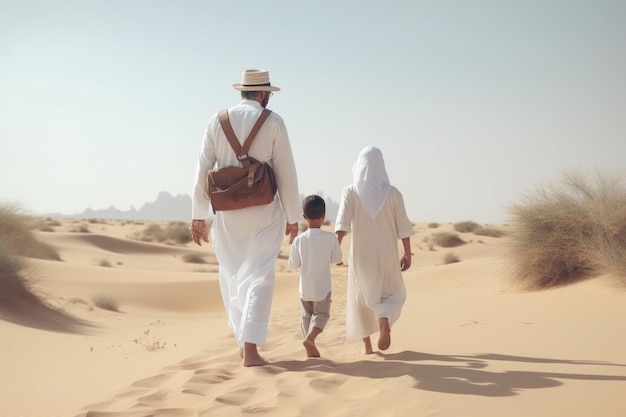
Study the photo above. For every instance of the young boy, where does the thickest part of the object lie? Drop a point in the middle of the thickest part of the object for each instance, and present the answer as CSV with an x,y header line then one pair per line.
x,y
313,251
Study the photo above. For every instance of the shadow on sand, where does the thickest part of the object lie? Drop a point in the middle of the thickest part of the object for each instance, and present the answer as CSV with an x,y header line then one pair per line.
x,y
20,306
462,374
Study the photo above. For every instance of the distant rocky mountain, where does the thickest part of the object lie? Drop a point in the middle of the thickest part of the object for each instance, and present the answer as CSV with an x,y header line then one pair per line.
x,y
169,207
165,207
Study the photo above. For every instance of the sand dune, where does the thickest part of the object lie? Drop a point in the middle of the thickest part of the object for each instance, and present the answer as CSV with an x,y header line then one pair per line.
x,y
467,344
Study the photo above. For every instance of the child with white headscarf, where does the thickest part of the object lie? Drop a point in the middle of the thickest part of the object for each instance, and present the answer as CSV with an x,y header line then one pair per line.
x,y
373,211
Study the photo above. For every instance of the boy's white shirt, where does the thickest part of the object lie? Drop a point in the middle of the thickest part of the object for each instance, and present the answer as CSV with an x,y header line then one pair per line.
x,y
313,251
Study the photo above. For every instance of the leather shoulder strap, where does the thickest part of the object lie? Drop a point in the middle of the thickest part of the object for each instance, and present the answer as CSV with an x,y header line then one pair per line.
x,y
241,152
228,131
255,129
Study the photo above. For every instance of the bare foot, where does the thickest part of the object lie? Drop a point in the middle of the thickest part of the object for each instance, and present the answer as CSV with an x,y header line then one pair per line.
x,y
367,346
311,349
254,361
384,340
251,356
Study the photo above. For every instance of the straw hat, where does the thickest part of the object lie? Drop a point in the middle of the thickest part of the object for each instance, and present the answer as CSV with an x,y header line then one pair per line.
x,y
255,80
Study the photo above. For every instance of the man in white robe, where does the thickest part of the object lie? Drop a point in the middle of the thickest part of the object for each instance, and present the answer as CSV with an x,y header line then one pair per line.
x,y
373,210
247,241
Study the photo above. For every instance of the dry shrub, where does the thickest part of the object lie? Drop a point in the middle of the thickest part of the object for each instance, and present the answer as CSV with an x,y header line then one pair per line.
x,y
152,344
194,258
466,226
106,302
447,240
16,234
433,225
569,230
105,263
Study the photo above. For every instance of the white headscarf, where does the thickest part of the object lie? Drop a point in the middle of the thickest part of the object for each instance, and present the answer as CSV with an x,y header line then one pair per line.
x,y
371,180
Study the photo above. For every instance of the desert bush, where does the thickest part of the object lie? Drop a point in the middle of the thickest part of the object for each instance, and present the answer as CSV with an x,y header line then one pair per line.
x,y
433,225
568,230
81,228
152,233
173,232
178,232
450,258
10,269
106,302
447,240
489,231
47,224
466,226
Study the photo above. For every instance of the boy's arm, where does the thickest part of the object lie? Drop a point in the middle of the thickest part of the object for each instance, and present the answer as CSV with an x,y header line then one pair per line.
x,y
294,255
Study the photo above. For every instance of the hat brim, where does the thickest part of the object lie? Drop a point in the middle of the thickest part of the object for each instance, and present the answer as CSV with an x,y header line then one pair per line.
x,y
240,87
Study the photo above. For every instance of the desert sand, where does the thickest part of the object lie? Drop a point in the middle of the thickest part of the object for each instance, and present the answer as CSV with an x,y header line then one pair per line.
x,y
467,343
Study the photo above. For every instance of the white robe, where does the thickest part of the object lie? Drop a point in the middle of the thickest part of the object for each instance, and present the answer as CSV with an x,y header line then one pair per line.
x,y
247,241
375,284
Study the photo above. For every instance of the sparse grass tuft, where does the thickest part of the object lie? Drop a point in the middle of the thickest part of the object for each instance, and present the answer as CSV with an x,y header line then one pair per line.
x,y
569,230
450,258
489,231
447,240
151,344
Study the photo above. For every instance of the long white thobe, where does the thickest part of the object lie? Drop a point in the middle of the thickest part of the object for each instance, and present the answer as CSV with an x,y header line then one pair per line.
x,y
247,241
375,284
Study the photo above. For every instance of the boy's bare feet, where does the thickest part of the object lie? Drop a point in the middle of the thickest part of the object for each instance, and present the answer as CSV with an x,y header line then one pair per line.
x,y
367,346
251,356
309,343
311,349
384,340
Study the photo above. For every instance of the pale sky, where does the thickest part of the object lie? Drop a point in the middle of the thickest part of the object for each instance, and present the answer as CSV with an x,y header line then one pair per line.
x,y
473,103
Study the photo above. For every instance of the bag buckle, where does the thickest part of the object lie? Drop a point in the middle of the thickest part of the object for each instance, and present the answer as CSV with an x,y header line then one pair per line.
x,y
242,156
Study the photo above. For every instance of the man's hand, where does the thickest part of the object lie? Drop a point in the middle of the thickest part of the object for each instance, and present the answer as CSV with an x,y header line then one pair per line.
x,y
199,231
292,231
405,261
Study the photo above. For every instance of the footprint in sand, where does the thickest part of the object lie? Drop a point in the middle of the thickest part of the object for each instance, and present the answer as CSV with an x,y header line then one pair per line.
x,y
326,384
236,397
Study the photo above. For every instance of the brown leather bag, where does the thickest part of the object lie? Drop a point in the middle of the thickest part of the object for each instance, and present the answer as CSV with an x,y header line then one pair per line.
x,y
232,187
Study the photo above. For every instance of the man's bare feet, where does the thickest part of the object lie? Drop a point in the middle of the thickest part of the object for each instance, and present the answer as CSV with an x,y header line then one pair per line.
x,y
311,349
251,356
367,346
384,340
